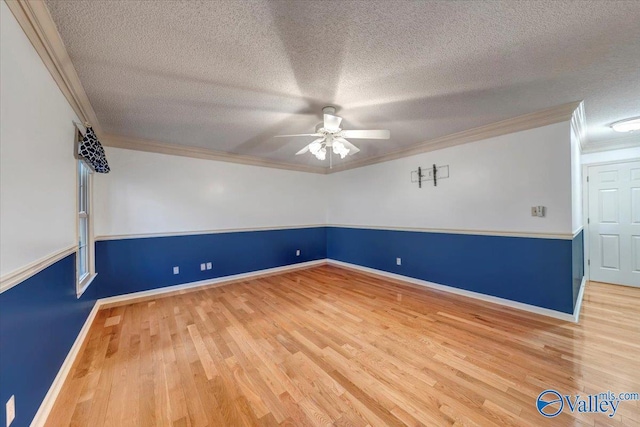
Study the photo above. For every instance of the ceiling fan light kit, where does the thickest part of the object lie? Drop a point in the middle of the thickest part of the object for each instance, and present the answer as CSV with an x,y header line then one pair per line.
x,y
318,149
331,137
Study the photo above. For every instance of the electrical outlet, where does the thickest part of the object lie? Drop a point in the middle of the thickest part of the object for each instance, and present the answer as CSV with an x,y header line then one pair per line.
x,y
539,211
297,252
398,261
11,410
209,266
176,270
203,266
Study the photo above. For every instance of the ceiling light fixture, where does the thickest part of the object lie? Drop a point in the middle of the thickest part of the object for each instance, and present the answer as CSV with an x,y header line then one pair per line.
x,y
319,149
627,125
340,148
331,137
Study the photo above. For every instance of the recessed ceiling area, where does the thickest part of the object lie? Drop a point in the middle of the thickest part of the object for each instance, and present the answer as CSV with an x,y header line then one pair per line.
x,y
230,75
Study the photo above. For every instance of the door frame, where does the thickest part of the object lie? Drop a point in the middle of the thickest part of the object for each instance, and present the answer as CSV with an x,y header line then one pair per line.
x,y
585,208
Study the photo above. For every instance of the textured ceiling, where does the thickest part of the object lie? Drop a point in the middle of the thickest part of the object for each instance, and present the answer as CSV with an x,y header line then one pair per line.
x,y
229,75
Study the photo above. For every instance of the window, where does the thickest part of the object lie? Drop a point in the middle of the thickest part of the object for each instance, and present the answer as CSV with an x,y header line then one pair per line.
x,y
83,221
85,266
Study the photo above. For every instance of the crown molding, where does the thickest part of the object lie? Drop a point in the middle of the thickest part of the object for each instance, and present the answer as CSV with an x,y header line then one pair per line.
x,y
579,125
150,146
40,29
528,121
629,141
571,112
37,24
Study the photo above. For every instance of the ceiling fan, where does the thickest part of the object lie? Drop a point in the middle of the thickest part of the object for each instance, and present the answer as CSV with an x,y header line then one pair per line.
x,y
331,137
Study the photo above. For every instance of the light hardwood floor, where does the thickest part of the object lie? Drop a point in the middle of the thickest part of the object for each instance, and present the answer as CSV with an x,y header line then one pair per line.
x,y
330,346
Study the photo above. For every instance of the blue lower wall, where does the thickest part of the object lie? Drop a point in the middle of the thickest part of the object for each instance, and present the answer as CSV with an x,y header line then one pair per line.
x,y
528,270
41,317
132,265
39,322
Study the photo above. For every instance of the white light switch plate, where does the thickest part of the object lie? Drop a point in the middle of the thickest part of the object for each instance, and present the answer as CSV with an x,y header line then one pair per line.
x,y
209,266
398,261
203,266
176,270
298,252
11,410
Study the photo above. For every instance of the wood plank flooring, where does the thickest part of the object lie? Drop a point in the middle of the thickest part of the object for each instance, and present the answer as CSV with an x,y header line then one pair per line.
x,y
330,346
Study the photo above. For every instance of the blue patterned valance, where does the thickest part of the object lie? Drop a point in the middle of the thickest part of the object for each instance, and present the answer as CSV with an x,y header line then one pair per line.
x,y
91,151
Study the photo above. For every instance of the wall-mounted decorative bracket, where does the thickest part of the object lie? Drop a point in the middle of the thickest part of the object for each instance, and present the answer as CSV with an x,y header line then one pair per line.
x,y
434,173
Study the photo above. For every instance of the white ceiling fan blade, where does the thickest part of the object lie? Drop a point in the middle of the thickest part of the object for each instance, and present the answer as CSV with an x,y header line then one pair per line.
x,y
306,147
352,148
300,134
332,122
304,150
366,134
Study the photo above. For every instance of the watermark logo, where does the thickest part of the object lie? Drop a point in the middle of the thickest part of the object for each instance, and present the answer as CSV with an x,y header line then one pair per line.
x,y
550,403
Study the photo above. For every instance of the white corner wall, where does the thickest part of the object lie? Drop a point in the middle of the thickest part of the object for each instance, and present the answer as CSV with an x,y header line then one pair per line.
x,y
37,168
576,183
150,193
492,186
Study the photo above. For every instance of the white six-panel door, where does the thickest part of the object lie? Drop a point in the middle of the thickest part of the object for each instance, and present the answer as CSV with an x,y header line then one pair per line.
x,y
614,223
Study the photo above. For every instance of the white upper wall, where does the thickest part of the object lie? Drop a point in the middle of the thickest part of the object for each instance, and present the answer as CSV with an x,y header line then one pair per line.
x,y
37,168
156,193
492,186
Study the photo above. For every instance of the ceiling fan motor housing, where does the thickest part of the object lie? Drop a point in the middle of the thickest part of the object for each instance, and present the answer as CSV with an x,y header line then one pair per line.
x,y
332,137
329,110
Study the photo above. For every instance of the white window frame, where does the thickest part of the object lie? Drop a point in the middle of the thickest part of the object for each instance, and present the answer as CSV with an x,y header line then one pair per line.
x,y
85,263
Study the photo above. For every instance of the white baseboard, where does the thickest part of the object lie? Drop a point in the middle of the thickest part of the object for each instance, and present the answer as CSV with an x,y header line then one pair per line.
x,y
51,396
488,298
56,386
215,281
578,307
